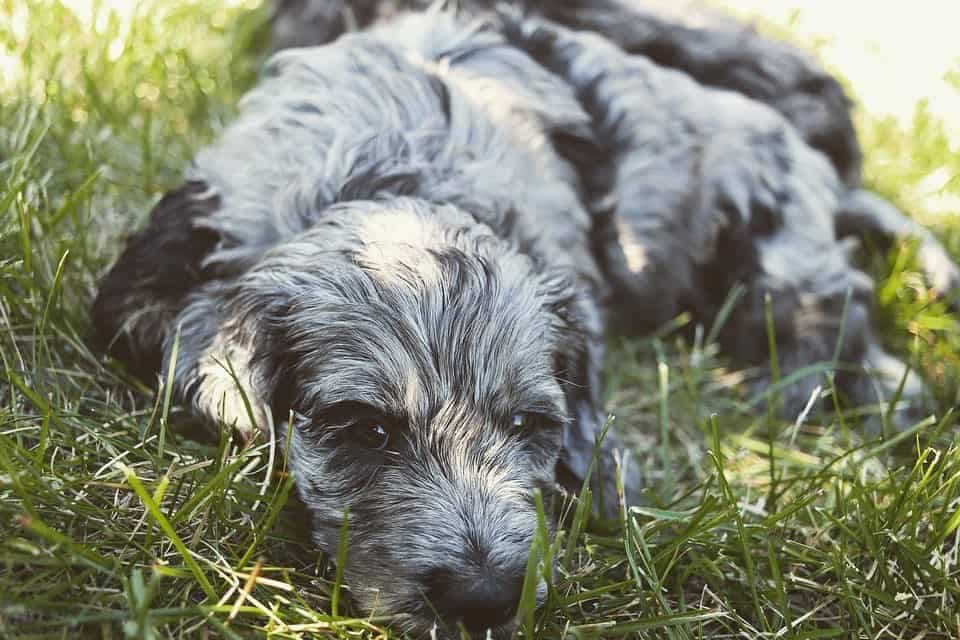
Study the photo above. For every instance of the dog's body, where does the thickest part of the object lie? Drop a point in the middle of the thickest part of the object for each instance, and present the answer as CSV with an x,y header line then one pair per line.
x,y
676,34
711,189
390,242
397,251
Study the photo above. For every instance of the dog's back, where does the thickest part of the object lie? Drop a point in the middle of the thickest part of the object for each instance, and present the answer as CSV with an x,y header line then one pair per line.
x,y
420,107
687,36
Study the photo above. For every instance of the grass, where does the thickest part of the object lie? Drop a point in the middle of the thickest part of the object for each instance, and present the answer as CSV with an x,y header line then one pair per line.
x,y
115,525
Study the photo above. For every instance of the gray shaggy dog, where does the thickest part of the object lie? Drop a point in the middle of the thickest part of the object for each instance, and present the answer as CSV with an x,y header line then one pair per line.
x,y
386,259
400,258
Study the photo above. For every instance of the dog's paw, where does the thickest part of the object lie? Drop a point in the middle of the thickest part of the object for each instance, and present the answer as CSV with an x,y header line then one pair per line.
x,y
897,391
941,272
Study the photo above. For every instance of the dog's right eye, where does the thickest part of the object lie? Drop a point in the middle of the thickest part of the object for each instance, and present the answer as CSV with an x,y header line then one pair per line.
x,y
355,424
528,421
370,433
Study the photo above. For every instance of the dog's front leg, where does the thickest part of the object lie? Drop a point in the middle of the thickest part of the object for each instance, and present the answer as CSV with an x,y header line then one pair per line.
x,y
865,214
883,379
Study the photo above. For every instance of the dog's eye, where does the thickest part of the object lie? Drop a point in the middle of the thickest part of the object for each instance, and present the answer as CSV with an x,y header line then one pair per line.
x,y
371,434
532,422
358,425
524,420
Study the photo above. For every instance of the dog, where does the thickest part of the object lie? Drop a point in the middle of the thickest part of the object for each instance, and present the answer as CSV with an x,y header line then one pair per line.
x,y
386,260
401,258
756,208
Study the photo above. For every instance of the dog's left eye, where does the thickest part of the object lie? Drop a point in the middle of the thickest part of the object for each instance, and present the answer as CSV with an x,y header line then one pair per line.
x,y
524,420
358,425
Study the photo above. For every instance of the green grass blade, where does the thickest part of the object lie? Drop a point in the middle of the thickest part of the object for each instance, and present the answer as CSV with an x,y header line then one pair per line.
x,y
154,509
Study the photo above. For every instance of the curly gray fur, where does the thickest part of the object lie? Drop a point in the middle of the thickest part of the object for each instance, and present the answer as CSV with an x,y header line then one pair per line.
x,y
687,36
710,188
396,235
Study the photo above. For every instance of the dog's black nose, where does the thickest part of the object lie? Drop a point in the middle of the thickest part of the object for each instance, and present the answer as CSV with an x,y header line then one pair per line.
x,y
479,601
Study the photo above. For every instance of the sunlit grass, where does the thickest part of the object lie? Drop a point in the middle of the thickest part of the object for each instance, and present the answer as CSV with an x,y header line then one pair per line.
x,y
103,533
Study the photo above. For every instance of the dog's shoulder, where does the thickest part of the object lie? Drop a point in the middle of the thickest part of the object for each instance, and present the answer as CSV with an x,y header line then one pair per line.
x,y
426,106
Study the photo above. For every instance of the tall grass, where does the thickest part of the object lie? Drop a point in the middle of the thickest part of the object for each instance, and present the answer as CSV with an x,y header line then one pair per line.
x,y
114,523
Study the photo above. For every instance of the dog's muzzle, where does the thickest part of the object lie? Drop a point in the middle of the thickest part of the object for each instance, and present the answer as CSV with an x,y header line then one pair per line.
x,y
481,600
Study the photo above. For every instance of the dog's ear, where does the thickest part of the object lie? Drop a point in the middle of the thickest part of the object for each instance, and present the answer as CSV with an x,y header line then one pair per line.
x,y
215,369
578,365
144,291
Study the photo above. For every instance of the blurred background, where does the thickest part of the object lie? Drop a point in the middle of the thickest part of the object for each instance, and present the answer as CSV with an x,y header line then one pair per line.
x,y
900,59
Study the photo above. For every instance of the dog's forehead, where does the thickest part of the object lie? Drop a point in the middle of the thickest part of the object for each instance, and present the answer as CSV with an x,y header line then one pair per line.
x,y
419,315
413,350
398,244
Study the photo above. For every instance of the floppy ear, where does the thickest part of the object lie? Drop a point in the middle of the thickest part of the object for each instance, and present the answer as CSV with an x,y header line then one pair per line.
x,y
579,364
215,368
147,286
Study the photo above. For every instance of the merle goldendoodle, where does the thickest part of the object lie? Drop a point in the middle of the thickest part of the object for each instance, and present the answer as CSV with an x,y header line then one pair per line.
x,y
401,256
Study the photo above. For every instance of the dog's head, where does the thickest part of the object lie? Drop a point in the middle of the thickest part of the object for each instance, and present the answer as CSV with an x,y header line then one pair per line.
x,y
424,363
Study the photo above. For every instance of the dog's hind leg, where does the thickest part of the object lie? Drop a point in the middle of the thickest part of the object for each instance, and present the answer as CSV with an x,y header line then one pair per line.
x,y
146,288
865,214
675,184
720,52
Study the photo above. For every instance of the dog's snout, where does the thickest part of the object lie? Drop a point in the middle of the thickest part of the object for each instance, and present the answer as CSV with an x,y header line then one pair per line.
x,y
479,601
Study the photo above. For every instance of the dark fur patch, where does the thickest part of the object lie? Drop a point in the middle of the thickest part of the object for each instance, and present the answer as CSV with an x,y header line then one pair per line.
x,y
145,288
